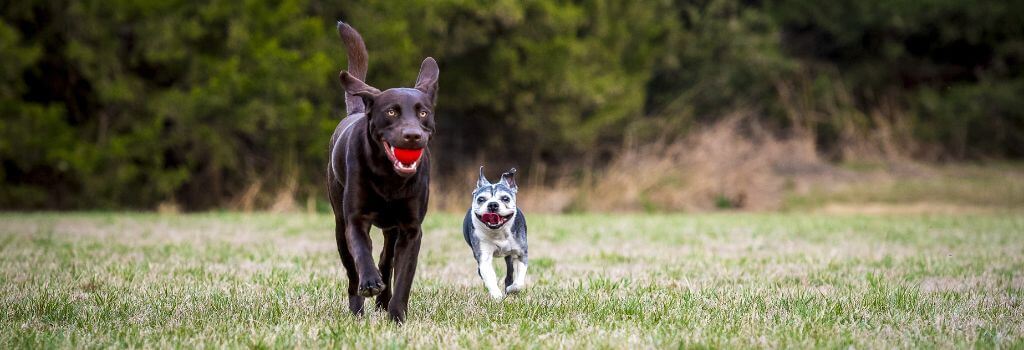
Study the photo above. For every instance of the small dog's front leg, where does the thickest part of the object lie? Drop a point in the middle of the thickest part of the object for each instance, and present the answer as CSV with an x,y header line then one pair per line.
x,y
486,269
519,279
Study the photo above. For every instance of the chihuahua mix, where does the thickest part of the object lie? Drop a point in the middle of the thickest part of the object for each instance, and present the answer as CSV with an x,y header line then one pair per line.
x,y
494,227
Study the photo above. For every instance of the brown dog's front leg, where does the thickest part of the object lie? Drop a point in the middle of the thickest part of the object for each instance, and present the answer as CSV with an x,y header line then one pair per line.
x,y
358,236
387,260
407,251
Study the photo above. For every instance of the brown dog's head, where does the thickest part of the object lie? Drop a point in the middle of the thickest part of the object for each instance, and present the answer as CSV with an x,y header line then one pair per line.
x,y
401,120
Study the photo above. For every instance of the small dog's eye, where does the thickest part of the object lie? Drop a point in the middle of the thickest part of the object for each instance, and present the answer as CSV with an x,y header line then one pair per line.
x,y
423,114
480,199
391,112
505,199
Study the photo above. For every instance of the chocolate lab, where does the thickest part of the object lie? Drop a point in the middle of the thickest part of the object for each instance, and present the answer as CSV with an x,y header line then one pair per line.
x,y
378,174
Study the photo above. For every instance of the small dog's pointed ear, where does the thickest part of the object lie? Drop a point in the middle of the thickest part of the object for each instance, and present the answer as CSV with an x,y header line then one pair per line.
x,y
354,86
427,80
509,179
482,180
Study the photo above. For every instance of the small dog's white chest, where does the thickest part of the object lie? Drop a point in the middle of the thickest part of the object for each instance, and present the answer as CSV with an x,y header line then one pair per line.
x,y
505,248
500,246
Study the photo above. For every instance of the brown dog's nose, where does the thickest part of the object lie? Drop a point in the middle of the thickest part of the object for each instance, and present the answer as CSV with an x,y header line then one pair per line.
x,y
412,135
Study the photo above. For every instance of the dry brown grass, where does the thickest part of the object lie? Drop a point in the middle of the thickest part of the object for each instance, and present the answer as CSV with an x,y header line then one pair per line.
x,y
717,167
734,164
737,165
731,164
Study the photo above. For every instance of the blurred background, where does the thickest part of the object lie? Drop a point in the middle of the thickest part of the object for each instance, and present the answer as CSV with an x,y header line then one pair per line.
x,y
602,105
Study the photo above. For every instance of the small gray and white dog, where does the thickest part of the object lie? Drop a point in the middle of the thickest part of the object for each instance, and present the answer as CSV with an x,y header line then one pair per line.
x,y
494,227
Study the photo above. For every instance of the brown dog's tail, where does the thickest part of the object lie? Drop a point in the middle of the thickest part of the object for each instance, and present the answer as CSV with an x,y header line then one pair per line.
x,y
357,63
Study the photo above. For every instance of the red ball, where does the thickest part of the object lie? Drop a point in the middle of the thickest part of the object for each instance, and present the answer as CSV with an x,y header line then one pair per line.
x,y
407,156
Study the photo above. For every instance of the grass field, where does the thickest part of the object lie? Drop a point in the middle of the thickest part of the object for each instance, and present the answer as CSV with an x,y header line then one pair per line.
x,y
663,281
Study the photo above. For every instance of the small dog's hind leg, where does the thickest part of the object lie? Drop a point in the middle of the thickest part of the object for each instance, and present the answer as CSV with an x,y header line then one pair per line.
x,y
519,280
509,271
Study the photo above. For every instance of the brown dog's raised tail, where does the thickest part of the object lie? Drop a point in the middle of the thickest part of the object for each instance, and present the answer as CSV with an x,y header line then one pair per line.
x,y
355,48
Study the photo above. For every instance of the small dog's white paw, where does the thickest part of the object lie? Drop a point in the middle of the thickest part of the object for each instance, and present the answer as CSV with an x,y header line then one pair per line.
x,y
513,289
496,295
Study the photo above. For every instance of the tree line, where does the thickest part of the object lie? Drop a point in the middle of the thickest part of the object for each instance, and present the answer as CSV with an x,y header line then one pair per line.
x,y
129,104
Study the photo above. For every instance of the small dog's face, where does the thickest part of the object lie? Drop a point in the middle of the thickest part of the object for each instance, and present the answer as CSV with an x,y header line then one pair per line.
x,y
401,119
494,205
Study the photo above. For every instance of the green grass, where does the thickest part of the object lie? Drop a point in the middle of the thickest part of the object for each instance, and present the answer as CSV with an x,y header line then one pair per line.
x,y
664,281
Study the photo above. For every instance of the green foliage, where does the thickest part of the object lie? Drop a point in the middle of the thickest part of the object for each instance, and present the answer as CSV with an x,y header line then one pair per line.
x,y
550,78
183,101
955,65
31,133
726,57
133,103
974,119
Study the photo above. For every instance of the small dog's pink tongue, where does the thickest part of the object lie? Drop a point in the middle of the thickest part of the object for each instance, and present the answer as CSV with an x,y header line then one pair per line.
x,y
491,218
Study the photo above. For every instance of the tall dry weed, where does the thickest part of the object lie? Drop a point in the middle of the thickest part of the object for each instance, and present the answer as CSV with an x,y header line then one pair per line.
x,y
730,164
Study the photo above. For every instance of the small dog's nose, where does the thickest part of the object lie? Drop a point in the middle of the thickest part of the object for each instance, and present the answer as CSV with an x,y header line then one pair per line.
x,y
492,207
412,136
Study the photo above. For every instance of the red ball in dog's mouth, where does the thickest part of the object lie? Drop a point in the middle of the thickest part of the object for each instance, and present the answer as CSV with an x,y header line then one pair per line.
x,y
405,160
408,155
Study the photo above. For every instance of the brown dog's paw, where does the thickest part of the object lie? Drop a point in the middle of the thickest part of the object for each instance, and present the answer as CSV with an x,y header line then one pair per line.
x,y
397,315
370,287
383,300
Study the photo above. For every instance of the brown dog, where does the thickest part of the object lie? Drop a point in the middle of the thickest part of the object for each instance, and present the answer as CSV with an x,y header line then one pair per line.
x,y
378,174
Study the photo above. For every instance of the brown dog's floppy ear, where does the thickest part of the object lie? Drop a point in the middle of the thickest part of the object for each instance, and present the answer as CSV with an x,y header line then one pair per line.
x,y
427,80
354,86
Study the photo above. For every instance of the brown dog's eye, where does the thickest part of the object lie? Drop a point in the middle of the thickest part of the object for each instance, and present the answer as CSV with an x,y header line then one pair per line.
x,y
391,112
423,114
